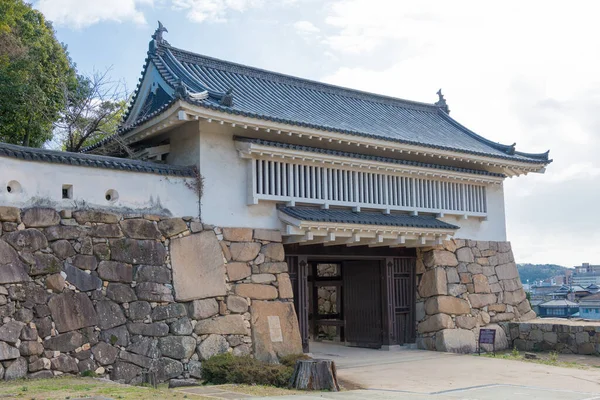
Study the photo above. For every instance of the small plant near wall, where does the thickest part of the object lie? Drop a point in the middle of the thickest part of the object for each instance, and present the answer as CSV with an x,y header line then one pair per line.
x,y
196,184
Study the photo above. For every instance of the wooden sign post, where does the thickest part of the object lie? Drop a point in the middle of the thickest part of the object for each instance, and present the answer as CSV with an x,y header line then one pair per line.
x,y
487,336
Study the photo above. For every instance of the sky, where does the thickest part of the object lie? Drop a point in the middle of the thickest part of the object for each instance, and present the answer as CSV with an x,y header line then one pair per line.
x,y
512,71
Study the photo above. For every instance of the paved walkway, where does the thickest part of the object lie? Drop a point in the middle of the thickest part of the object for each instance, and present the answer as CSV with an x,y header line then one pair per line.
x,y
417,374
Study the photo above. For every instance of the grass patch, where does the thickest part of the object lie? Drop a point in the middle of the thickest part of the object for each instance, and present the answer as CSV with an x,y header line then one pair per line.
x,y
227,368
551,358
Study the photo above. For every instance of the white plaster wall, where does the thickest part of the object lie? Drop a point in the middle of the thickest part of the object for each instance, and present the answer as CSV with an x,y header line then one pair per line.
x,y
224,202
41,184
185,145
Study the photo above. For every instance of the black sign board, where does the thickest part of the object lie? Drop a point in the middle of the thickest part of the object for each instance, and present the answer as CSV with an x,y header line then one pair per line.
x,y
487,336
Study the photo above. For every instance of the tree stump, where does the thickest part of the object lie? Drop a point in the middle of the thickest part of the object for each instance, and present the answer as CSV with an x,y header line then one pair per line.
x,y
314,375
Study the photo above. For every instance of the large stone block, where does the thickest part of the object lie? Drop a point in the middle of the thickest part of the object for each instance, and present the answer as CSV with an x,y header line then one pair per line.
x,y
85,216
236,304
170,311
507,271
178,347
198,268
65,342
151,291
482,300
270,235
11,331
256,291
40,217
104,353
62,249
8,352
16,369
72,311
118,336
134,251
44,264
168,368
273,267
64,232
514,298
153,273
140,229
275,331
120,292
124,372
433,283
86,262
211,346
435,323
285,286
447,305
273,252
106,231
82,280
227,325
435,258
12,269
28,239
172,226
481,284
465,255
237,234
202,309
501,341
237,271
455,340
10,214
153,329
115,271
109,314
137,359
244,251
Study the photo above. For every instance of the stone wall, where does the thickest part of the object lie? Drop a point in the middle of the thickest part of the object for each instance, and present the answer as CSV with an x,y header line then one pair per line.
x,y
465,285
125,294
562,336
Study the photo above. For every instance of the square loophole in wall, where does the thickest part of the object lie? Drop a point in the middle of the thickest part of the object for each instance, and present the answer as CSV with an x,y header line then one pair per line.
x,y
67,191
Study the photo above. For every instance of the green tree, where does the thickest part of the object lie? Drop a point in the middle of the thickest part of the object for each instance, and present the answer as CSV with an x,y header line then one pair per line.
x,y
35,75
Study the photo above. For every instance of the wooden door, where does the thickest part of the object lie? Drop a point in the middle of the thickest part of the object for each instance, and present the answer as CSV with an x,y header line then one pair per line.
x,y
298,271
362,303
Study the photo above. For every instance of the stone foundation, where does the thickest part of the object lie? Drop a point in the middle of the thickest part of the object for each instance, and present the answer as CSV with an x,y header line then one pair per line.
x,y
125,294
463,286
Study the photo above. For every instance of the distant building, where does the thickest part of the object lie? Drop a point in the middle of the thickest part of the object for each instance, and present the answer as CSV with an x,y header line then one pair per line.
x,y
589,307
586,275
558,309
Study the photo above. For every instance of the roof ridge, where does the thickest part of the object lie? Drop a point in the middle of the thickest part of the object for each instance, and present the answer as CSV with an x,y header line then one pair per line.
x,y
297,81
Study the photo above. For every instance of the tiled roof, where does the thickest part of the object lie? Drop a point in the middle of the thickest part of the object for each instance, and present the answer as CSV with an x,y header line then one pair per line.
x,y
365,218
364,156
89,160
593,297
559,303
272,96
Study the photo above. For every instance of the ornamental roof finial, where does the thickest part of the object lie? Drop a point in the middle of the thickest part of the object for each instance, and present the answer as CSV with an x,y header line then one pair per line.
x,y
181,91
441,103
227,99
158,33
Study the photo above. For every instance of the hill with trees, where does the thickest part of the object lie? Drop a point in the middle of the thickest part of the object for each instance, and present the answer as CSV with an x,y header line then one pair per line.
x,y
538,272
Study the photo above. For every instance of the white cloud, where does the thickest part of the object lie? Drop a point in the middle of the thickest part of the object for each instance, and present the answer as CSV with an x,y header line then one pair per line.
x,y
81,13
214,10
305,27
511,71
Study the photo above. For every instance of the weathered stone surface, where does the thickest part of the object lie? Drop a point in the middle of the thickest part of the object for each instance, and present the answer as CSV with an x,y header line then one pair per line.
x,y
43,325
507,271
86,262
202,309
452,275
42,363
44,264
23,315
244,251
139,310
456,289
145,346
106,231
481,284
109,314
10,214
8,352
501,317
501,341
64,232
182,326
27,240
152,273
151,291
62,249
256,291
242,350
435,323
64,342
115,271
40,217
104,353
227,325
153,329
175,310
134,251
176,383
237,271
447,305
72,311
465,255
455,341
514,298
140,229
237,234
436,258
95,216
118,336
172,226
271,235
198,269
273,252
237,304
433,283
275,331
16,370
179,347
211,346
497,307
168,369
263,278
528,316
285,286
195,369
137,359
125,372
466,322
82,280
31,348
273,267
511,285
29,333
11,331
120,292
481,300
102,251
12,270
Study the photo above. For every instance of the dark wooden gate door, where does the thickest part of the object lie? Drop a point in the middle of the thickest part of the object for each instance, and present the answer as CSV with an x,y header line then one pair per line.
x,y
362,303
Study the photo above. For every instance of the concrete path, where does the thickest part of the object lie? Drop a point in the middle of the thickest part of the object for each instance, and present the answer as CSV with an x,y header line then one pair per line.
x,y
417,374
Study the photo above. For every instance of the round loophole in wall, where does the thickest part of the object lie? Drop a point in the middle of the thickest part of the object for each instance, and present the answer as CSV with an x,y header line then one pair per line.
x,y
111,195
13,187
